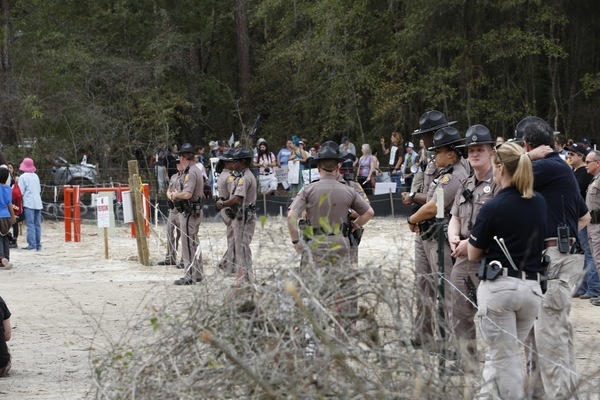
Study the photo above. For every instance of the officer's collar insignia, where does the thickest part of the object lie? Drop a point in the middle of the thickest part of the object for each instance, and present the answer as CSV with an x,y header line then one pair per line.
x,y
487,189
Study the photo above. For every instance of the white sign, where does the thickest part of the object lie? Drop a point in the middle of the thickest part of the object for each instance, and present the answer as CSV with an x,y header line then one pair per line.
x,y
103,212
214,176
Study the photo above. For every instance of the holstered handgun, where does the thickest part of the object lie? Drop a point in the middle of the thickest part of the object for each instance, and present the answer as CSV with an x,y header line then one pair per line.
x,y
471,289
170,204
231,212
355,236
544,275
303,225
179,205
249,212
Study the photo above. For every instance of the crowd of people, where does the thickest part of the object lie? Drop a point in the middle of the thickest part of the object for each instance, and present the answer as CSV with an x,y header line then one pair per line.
x,y
20,200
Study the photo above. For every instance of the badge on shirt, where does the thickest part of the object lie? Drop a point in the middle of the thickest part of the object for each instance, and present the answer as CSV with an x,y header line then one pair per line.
x,y
487,189
187,178
444,180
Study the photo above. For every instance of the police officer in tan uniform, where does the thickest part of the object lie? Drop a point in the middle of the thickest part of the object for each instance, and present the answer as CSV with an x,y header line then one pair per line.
x,y
429,123
477,190
225,186
241,205
451,176
592,163
173,228
325,247
189,200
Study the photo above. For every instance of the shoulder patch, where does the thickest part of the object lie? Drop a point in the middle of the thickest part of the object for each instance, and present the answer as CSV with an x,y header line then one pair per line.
x,y
445,179
187,178
240,182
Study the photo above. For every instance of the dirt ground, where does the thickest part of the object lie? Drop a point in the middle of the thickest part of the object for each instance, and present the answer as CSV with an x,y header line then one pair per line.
x,y
69,303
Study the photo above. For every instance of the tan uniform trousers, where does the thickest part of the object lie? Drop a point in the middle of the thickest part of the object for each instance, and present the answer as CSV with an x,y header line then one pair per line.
x,y
242,237
190,243
507,310
463,310
554,363
426,281
331,271
227,261
173,236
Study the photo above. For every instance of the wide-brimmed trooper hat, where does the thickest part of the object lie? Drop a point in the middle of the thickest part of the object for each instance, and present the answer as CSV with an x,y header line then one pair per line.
x,y
242,154
432,121
477,134
330,151
520,129
227,155
186,148
447,136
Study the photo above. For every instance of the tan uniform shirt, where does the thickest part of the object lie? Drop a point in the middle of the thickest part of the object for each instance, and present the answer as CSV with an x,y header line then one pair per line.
x,y
224,185
174,182
482,191
327,202
451,182
193,182
592,199
245,186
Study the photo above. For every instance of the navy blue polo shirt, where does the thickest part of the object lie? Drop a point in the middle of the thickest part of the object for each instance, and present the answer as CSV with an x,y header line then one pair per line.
x,y
555,180
520,222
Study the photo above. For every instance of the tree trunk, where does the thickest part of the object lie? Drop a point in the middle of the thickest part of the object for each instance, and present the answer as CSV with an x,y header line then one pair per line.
x,y
243,45
5,45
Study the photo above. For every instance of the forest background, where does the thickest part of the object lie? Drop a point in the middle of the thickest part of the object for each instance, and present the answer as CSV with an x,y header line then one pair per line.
x,y
117,77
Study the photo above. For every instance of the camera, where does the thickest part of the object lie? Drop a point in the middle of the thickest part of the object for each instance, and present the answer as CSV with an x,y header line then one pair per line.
x,y
563,238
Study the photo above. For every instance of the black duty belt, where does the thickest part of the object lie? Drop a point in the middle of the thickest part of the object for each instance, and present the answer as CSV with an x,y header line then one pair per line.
x,y
321,232
595,216
533,276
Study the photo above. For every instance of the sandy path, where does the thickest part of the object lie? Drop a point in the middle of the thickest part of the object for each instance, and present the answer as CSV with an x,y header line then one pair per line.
x,y
59,295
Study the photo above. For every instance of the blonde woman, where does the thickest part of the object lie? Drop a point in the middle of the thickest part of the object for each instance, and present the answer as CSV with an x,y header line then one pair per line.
x,y
367,168
509,294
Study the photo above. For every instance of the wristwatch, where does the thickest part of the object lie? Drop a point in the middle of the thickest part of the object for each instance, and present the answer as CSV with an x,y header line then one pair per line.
x,y
412,195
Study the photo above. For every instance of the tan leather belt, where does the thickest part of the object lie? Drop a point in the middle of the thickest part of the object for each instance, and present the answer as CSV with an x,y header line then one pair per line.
x,y
554,242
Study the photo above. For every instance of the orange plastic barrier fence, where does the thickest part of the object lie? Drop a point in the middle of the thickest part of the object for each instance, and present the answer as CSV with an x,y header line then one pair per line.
x,y
72,202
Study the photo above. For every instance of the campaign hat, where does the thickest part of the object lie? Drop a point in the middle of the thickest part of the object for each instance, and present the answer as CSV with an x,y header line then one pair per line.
x,y
242,154
447,136
432,121
227,155
186,148
330,151
520,128
477,134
